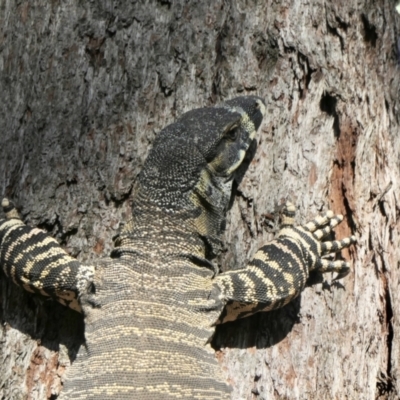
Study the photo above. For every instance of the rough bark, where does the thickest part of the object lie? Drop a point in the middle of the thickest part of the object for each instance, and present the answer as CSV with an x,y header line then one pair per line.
x,y
84,88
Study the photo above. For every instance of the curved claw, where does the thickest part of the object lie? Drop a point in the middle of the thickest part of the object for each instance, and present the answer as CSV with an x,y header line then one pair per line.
x,y
341,275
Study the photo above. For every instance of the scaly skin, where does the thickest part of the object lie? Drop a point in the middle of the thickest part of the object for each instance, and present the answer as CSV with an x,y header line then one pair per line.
x,y
151,307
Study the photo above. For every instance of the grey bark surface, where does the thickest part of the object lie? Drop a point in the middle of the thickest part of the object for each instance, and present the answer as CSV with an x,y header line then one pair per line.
x,y
85,87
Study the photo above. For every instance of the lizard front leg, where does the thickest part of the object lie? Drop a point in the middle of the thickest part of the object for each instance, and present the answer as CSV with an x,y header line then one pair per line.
x,y
279,270
35,261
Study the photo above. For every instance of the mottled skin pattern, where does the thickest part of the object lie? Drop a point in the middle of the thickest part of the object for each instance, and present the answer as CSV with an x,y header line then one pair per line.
x,y
150,308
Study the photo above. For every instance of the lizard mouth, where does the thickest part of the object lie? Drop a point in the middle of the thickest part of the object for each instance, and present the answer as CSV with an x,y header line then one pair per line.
x,y
242,153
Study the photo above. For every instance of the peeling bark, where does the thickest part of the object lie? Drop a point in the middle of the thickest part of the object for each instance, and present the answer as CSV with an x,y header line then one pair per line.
x,y
85,87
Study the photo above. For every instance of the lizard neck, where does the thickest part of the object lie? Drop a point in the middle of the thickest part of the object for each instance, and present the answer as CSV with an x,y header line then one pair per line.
x,y
192,231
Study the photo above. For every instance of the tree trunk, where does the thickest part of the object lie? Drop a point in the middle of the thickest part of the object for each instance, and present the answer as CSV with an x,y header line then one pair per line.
x,y
85,86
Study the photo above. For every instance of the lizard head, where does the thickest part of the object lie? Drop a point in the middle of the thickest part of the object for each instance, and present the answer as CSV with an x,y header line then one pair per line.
x,y
200,152
231,127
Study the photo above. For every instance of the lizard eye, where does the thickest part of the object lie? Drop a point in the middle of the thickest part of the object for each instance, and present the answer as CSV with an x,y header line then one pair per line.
x,y
232,134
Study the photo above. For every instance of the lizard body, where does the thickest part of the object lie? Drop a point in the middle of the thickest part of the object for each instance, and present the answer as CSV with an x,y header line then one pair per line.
x,y
151,307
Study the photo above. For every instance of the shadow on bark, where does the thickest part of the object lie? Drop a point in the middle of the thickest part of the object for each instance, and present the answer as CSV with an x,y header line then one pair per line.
x,y
261,330
44,320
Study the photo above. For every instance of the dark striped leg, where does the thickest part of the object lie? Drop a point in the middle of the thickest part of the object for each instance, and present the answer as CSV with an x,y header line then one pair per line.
x,y
280,269
35,261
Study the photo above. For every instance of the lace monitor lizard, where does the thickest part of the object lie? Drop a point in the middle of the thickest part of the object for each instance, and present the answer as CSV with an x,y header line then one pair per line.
x,y
151,307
